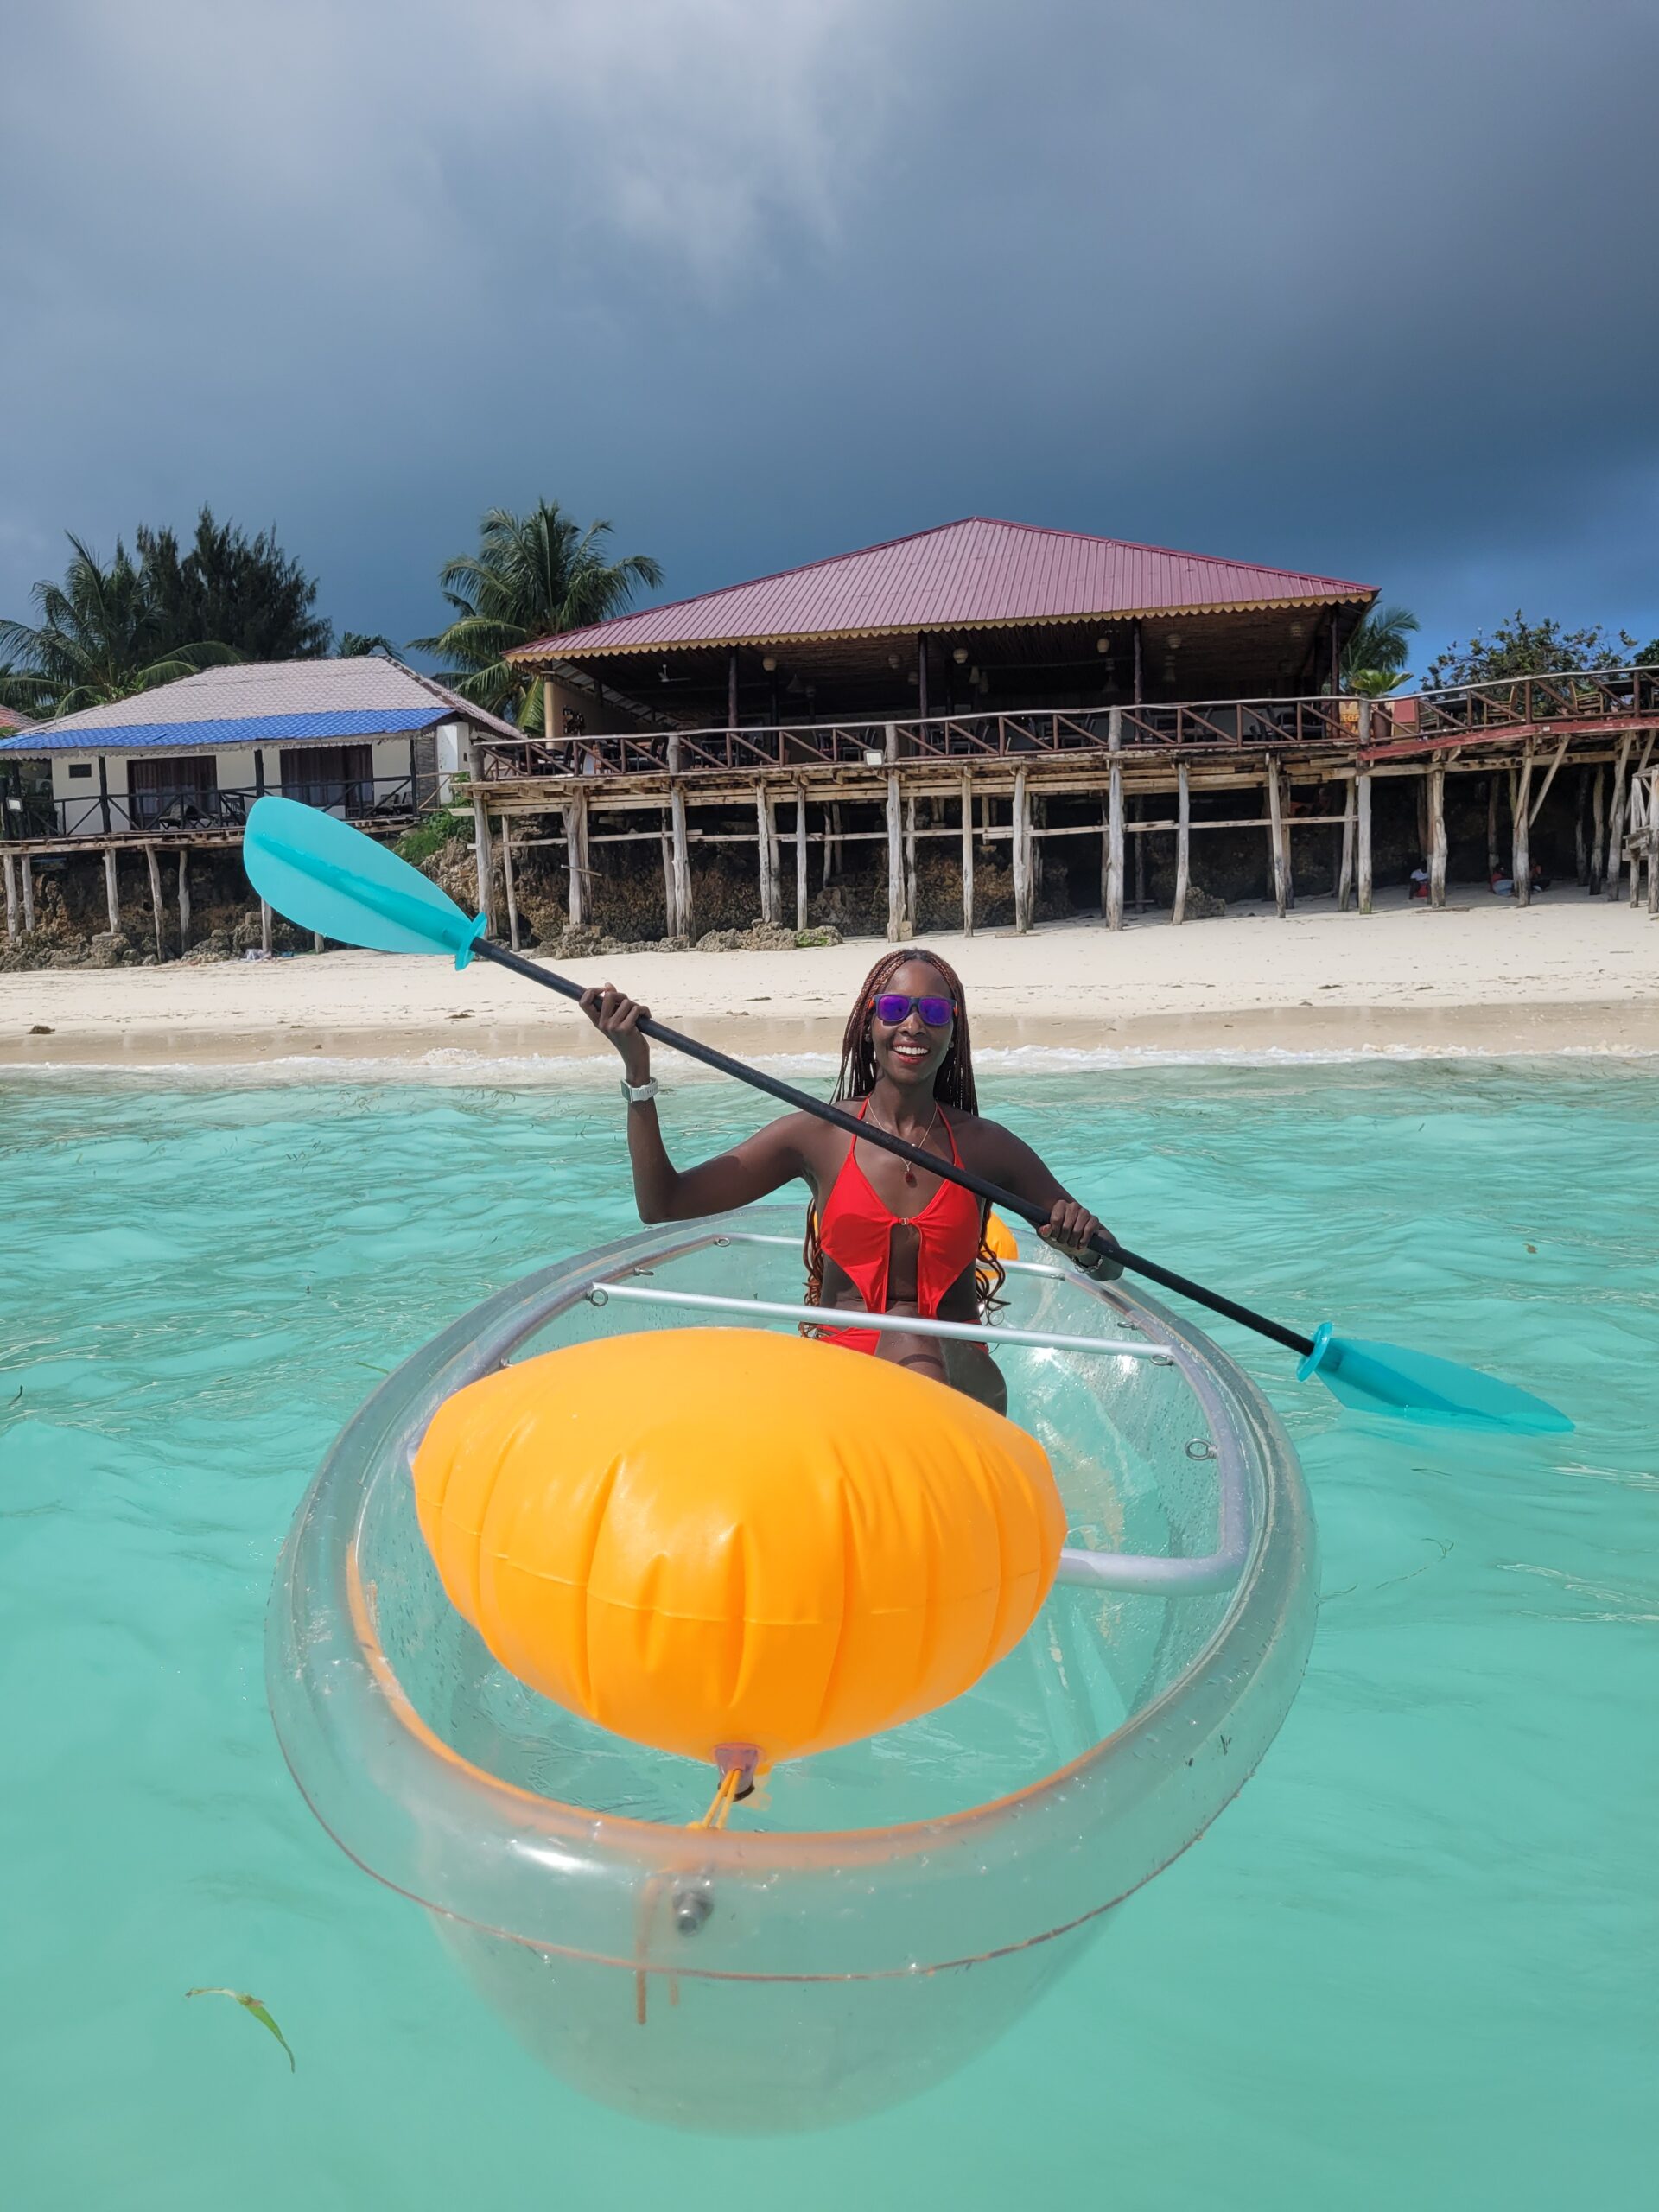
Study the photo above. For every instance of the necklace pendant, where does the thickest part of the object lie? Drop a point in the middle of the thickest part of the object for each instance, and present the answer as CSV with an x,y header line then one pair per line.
x,y
910,1172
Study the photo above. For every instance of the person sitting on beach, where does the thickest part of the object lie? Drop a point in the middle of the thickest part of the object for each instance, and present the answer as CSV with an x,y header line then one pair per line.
x,y
881,1236
1503,884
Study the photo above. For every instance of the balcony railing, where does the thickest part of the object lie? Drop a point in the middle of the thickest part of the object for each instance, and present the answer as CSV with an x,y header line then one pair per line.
x,y
189,809
962,737
1579,694
1217,725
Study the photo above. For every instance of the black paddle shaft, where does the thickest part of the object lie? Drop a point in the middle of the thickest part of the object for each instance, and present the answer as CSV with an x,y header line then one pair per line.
x,y
1109,1249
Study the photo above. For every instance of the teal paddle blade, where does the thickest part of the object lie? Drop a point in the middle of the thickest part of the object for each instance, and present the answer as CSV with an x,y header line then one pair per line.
x,y
321,874
1416,1386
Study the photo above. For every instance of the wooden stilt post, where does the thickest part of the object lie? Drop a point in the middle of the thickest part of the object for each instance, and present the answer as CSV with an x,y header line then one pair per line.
x,y
911,902
682,855
11,899
576,861
265,928
1115,818
1346,871
481,855
679,851
506,878
111,891
763,854
1638,839
1276,839
155,867
1362,834
1437,836
184,899
1615,820
668,876
1022,853
318,941
1653,845
967,854
1140,861
1494,858
831,844
1598,833
1183,841
1521,866
1580,837
800,856
895,860
27,866
1543,789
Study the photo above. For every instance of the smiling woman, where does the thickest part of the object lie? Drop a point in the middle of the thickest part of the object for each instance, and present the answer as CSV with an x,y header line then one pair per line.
x,y
880,1237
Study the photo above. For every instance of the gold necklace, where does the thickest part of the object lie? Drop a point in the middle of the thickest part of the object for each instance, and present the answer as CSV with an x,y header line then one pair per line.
x,y
910,1171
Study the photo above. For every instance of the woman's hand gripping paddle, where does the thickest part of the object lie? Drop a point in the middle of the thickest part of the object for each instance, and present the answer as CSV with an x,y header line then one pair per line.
x,y
324,875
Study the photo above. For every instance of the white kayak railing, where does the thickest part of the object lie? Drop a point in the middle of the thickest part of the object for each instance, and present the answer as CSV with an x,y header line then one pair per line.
x,y
851,1317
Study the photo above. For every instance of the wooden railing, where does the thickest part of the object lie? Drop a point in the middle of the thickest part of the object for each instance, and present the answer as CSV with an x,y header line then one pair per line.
x,y
1217,725
191,810
1580,695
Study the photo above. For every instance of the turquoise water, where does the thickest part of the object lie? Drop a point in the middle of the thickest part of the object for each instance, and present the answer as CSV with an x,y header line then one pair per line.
x,y
1411,1966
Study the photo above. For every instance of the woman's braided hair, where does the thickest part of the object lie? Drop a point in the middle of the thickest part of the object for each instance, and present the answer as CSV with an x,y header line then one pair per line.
x,y
952,1086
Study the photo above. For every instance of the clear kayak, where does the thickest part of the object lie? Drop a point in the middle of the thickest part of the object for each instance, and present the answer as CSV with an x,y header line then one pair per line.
x,y
879,1913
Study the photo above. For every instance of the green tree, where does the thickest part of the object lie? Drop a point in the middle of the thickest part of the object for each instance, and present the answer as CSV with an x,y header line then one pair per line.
x,y
357,645
243,591
532,577
1518,647
100,636
1374,659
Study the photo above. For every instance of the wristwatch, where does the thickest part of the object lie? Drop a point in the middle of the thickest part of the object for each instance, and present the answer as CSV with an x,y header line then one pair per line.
x,y
638,1093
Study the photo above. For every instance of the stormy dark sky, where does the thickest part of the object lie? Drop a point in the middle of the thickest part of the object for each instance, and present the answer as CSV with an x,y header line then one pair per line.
x,y
1372,290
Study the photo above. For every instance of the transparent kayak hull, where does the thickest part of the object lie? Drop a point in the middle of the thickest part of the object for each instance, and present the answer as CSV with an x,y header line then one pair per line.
x,y
884,1911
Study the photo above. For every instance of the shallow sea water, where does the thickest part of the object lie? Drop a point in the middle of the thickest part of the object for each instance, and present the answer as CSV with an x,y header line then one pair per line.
x,y
1412,1966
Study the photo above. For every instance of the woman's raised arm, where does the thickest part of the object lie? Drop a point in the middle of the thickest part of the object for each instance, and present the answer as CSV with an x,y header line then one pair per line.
x,y
1009,1159
761,1163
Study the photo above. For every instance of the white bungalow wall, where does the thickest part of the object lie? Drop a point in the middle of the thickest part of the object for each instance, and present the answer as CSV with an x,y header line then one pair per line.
x,y
236,770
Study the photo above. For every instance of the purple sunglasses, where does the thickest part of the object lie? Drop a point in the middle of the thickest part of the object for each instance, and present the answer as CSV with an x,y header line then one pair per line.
x,y
892,1008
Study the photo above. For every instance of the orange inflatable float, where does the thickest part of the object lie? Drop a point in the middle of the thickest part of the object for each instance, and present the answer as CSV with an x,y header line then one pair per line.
x,y
716,1538
1000,1238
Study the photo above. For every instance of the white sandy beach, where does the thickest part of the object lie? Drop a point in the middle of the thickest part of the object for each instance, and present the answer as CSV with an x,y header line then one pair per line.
x,y
1569,974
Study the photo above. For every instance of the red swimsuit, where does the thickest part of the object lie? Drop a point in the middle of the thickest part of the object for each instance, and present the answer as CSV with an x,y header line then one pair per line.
x,y
856,1232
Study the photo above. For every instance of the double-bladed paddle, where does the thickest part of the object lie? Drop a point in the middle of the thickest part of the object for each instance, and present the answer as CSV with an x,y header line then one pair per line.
x,y
328,877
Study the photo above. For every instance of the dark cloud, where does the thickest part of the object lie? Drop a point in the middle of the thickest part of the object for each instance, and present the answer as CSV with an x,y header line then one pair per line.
x,y
1368,291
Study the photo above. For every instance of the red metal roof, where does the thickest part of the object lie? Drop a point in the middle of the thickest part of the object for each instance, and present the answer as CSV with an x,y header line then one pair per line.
x,y
974,574
9,720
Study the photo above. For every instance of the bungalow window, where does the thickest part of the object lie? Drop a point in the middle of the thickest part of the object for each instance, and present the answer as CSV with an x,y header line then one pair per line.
x,y
80,767
174,793
338,777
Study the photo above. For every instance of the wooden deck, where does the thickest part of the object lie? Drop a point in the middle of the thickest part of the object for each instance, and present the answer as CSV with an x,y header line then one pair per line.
x,y
1290,764
1278,767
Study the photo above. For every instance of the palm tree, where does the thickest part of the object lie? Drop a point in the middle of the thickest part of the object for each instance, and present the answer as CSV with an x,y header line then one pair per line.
x,y
1374,659
532,577
100,636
